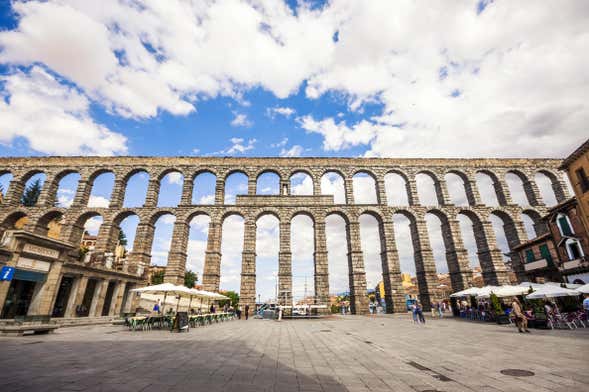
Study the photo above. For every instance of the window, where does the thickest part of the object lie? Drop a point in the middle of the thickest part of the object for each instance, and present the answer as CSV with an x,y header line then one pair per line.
x,y
564,225
530,256
583,180
545,252
574,249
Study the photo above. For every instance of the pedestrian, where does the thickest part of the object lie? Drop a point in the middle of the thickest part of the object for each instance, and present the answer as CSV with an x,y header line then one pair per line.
x,y
343,308
520,318
414,312
247,311
586,306
420,313
156,307
239,312
433,309
439,308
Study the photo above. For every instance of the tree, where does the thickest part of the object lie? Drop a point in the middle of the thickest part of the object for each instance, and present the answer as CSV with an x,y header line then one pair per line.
x,y
157,277
190,278
234,298
31,194
122,238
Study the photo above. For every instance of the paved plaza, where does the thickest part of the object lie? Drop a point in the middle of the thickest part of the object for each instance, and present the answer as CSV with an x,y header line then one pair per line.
x,y
353,353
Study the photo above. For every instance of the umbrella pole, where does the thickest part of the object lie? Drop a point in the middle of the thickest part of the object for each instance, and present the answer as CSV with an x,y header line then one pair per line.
x,y
178,304
189,303
164,304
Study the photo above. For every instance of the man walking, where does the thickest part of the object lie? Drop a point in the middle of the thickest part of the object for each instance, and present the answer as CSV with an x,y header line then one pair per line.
x,y
520,318
247,311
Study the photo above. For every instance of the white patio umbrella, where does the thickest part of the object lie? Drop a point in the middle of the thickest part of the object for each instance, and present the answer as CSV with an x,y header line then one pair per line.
x,y
550,291
485,292
465,293
511,291
583,289
164,288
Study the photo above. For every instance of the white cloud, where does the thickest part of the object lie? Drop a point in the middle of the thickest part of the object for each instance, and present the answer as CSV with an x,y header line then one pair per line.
x,y
175,178
280,110
92,225
240,120
196,151
281,143
338,136
168,219
239,147
294,151
301,184
207,199
98,201
52,117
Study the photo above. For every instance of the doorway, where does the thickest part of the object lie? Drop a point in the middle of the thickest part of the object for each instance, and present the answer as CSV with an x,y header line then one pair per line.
x,y
18,300
63,296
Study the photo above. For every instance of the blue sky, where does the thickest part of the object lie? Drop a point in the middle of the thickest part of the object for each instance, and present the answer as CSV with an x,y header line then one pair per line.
x,y
300,78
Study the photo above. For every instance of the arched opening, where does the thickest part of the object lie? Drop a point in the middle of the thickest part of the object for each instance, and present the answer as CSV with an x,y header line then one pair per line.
x,y
529,226
203,189
487,183
302,237
396,189
403,240
434,232
500,235
50,225
136,189
539,227
545,186
235,184
456,189
469,242
371,249
337,256
162,239
91,228
231,248
267,247
515,182
5,179
301,184
102,186
32,190
66,190
364,188
14,221
426,189
170,192
126,237
268,183
332,183
198,236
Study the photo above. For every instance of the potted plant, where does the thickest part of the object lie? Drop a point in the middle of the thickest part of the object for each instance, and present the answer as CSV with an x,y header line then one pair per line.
x,y
501,317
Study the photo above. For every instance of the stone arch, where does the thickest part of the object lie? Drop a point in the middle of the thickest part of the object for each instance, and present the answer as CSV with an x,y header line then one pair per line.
x,y
126,184
439,193
407,199
305,174
45,227
540,226
158,214
469,193
359,198
231,212
500,189
340,197
200,194
92,187
557,185
76,231
236,174
55,187
302,211
196,213
11,220
342,214
160,176
274,179
275,212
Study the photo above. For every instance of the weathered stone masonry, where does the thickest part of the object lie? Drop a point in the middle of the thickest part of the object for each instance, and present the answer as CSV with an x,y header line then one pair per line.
x,y
285,207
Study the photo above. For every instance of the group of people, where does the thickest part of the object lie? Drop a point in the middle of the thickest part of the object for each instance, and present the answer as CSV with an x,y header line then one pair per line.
x,y
417,312
157,309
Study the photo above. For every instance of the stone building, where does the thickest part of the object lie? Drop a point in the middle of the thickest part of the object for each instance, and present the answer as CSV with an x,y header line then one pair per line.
x,y
576,166
73,284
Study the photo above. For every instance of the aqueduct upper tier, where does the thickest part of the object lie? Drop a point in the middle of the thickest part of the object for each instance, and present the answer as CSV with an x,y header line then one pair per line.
x,y
284,206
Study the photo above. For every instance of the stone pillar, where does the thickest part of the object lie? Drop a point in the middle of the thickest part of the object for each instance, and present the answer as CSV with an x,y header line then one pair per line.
x,y
349,189
358,297
212,268
502,192
140,257
45,293
16,188
284,188
82,193
247,293
99,297
187,185
48,196
106,241
533,193
472,190
381,191
561,192
316,185
456,255
117,299
515,232
76,295
153,190
117,197
490,257
442,191
251,186
219,191
412,195
176,266
321,263
284,265
425,266
391,270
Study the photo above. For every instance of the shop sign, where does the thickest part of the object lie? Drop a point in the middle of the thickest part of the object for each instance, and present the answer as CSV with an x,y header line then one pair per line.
x,y
41,251
35,265
6,273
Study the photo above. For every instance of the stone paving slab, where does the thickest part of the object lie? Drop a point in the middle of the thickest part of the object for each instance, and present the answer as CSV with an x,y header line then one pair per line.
x,y
352,353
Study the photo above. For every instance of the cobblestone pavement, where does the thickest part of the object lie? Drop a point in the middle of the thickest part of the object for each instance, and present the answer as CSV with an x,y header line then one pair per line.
x,y
353,353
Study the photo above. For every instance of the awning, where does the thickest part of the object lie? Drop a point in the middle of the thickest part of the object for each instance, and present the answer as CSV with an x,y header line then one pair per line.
x,y
31,276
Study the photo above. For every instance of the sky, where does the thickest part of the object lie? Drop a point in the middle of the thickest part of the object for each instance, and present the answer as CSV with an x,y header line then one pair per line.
x,y
296,78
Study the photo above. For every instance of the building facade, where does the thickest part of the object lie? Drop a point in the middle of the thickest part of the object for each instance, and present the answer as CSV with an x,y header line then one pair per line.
x,y
91,281
576,166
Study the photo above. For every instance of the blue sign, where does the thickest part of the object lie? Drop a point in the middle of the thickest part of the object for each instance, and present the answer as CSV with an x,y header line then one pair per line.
x,y
7,273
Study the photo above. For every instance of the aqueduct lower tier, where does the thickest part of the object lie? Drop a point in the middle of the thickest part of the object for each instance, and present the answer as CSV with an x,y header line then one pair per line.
x,y
284,206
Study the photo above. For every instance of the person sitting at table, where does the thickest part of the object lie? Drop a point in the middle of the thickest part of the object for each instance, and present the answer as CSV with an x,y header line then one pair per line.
x,y
192,311
156,307
170,311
